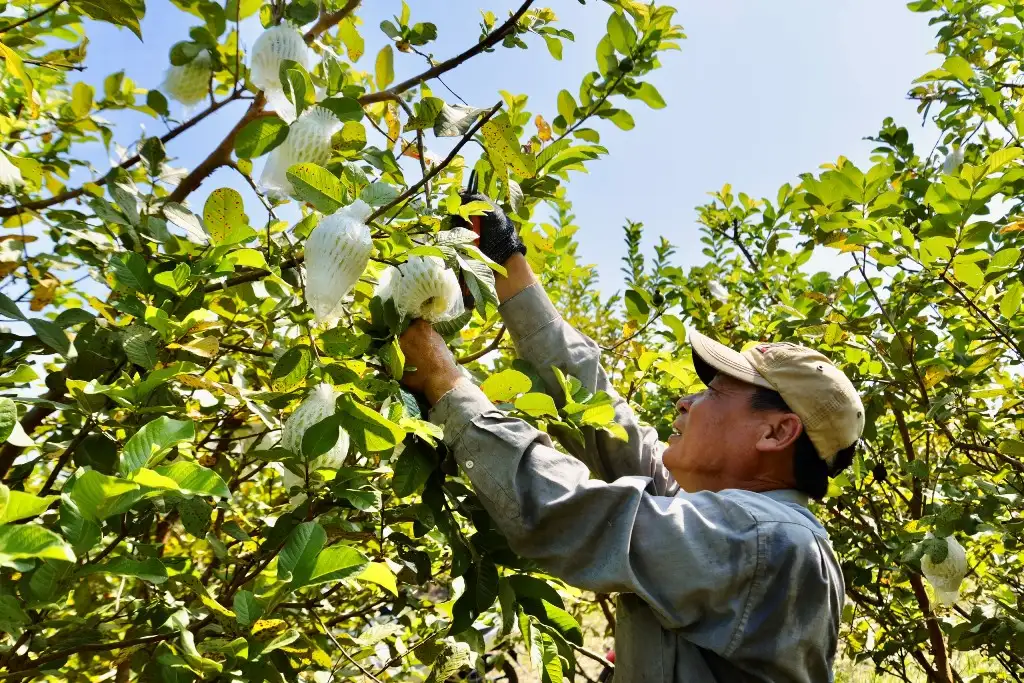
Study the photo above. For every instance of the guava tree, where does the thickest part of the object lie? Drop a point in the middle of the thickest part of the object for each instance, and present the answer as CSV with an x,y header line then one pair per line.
x,y
210,470
922,310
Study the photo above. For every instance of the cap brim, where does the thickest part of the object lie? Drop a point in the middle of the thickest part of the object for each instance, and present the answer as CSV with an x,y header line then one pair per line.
x,y
721,358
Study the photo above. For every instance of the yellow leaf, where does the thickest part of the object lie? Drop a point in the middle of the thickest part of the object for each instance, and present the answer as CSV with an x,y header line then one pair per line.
x,y
543,128
393,123
43,293
380,574
17,69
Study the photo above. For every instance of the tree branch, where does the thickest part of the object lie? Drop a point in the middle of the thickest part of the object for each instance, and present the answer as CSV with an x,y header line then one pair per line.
x,y
495,343
220,156
329,19
32,17
127,163
491,40
938,645
66,455
33,418
411,191
995,327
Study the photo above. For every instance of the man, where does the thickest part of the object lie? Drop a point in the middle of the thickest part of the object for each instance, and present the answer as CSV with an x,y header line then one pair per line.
x,y
723,574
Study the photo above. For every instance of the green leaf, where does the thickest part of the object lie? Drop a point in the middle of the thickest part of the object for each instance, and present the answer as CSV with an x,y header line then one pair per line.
x,y
117,12
353,137
649,95
195,515
567,107
637,307
20,375
503,146
455,120
140,345
174,280
81,99
297,85
320,437
156,101
152,441
259,136
959,67
24,541
21,505
51,334
336,563
385,68
969,273
369,430
8,417
299,553
1004,258
9,308
1010,303
623,119
191,477
562,621
537,405
505,385
247,610
223,213
621,34
379,193
291,369
452,658
81,533
1012,447
149,569
345,108
317,186
531,587
427,111
412,469
554,46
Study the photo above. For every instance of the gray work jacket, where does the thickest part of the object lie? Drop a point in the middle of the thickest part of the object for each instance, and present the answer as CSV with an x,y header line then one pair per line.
x,y
720,587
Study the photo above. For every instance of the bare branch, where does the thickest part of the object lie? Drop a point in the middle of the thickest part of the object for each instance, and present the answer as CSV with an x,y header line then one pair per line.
x,y
492,39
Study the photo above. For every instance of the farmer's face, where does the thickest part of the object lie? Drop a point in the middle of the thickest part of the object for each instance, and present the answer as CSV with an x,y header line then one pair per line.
x,y
715,446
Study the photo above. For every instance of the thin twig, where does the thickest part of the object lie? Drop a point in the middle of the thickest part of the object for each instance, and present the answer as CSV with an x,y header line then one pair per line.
x,y
491,40
246,349
32,17
495,343
341,649
66,455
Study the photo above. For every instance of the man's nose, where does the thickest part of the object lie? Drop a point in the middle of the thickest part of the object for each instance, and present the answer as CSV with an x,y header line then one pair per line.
x,y
683,404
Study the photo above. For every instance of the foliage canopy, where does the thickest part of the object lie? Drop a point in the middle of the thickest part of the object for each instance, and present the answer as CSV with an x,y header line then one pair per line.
x,y
154,525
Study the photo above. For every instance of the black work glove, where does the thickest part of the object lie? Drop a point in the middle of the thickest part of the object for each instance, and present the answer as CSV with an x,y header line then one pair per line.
x,y
498,236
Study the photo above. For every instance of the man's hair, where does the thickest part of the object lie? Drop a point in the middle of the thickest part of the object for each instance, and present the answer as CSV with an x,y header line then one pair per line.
x,y
811,472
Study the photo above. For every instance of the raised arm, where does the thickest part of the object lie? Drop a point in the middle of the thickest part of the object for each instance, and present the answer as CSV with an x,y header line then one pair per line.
x,y
544,339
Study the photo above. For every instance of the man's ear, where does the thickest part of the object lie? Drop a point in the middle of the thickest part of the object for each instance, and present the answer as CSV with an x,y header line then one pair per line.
x,y
780,432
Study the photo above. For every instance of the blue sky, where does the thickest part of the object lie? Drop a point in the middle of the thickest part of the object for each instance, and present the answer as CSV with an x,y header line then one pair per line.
x,y
759,93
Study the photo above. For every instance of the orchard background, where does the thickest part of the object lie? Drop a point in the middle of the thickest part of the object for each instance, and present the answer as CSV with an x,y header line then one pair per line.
x,y
157,338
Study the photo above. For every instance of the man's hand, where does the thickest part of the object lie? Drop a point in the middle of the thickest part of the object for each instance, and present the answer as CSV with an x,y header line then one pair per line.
x,y
498,237
436,371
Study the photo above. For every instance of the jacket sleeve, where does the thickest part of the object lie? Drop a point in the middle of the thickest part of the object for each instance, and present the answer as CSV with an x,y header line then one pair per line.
x,y
690,557
544,339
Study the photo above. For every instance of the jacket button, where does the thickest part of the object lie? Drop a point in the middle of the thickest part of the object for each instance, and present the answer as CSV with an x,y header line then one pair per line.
x,y
469,464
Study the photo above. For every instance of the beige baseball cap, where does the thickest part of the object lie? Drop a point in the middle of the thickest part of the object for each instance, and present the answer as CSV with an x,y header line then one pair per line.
x,y
816,390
